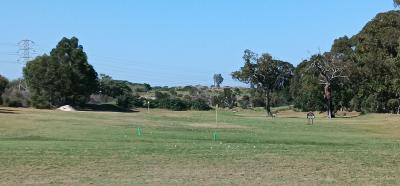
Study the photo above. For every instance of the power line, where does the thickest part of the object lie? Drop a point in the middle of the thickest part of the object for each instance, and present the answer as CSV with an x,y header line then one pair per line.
x,y
150,74
149,71
9,53
2,61
26,53
7,44
145,65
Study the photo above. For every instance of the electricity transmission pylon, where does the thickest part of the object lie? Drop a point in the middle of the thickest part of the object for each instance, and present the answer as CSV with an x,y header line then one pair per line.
x,y
25,54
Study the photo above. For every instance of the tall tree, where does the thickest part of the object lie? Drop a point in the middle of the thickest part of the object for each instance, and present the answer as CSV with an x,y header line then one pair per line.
x,y
218,79
3,86
373,68
376,61
396,3
331,68
265,73
305,88
64,77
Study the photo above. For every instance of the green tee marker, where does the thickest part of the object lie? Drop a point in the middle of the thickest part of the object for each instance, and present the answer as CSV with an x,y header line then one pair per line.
x,y
138,131
215,136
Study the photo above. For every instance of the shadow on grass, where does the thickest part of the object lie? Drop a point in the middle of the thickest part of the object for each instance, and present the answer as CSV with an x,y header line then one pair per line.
x,y
7,111
104,108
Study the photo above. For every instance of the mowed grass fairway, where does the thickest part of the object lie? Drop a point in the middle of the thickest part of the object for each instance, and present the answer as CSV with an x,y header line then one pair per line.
x,y
42,147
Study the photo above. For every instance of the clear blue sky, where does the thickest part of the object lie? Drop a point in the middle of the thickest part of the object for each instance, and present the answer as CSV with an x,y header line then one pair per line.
x,y
180,42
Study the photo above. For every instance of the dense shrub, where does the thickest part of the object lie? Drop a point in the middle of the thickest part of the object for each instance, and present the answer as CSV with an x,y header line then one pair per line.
x,y
139,101
40,102
355,104
371,104
244,102
187,98
200,104
126,101
173,104
160,95
15,97
224,99
393,105
158,88
173,92
140,89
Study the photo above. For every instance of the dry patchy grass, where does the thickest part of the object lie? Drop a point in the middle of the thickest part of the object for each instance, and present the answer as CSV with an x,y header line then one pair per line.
x,y
42,147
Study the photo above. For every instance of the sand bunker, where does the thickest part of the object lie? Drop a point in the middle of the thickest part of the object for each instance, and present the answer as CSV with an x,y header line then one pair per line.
x,y
66,108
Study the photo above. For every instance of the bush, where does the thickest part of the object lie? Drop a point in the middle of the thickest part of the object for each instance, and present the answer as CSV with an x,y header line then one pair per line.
x,y
226,98
355,104
13,97
139,102
200,104
173,92
244,102
216,100
152,103
393,105
126,101
187,98
177,104
100,99
147,87
371,104
159,95
139,89
173,104
40,102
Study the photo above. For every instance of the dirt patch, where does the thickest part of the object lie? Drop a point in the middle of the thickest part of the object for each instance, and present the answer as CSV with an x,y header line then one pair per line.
x,y
267,170
382,125
344,114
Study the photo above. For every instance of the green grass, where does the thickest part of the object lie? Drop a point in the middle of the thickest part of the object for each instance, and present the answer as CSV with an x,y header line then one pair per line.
x,y
42,147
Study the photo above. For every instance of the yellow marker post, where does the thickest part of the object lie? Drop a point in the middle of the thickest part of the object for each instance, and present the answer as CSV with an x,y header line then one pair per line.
x,y
216,114
215,134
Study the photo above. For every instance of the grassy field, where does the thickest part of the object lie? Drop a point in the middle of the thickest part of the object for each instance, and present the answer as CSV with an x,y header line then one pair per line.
x,y
42,147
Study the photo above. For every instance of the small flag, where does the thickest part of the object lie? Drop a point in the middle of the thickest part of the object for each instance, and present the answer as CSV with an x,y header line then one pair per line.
x,y
215,136
138,131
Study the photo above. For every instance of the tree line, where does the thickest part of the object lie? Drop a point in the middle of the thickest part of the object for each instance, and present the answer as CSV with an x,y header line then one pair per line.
x,y
359,73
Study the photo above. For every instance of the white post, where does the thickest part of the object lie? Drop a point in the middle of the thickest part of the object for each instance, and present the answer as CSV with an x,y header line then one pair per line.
x,y
148,106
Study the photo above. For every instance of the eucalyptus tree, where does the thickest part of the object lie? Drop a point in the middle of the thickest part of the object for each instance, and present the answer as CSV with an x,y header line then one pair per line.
x,y
332,69
396,3
265,73
218,79
305,89
63,77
